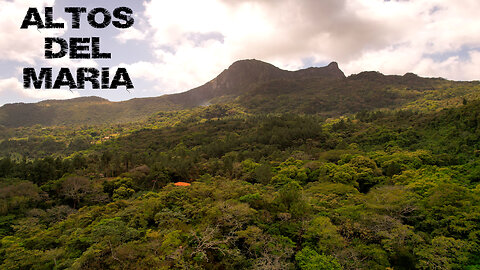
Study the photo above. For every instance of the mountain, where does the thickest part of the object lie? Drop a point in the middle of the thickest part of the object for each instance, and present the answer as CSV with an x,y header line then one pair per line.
x,y
244,75
266,181
258,87
84,110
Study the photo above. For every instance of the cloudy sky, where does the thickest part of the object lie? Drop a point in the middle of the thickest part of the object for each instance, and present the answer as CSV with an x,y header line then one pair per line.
x,y
177,45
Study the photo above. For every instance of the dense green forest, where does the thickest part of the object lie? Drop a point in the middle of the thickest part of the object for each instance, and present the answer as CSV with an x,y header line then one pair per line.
x,y
287,170
388,189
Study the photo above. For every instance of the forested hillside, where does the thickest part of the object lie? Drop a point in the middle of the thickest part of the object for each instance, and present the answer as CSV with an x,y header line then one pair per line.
x,y
376,189
258,87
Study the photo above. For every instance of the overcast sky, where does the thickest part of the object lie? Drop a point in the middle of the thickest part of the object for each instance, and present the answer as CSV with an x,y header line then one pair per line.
x,y
177,45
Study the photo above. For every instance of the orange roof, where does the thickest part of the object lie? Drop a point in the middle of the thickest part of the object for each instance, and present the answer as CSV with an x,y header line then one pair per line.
x,y
182,184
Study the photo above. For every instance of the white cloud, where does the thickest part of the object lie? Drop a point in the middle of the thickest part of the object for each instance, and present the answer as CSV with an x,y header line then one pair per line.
x,y
194,40
12,87
22,45
454,66
432,36
70,63
131,33
187,67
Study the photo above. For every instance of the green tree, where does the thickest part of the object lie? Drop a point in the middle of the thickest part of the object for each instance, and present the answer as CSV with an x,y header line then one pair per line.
x,y
309,259
443,253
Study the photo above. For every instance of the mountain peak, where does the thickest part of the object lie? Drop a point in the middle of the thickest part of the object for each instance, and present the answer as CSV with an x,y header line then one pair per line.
x,y
244,72
331,71
243,75
333,65
88,99
411,75
250,83
245,63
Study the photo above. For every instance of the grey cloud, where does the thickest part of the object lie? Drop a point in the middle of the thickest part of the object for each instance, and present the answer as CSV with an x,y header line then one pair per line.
x,y
199,38
328,27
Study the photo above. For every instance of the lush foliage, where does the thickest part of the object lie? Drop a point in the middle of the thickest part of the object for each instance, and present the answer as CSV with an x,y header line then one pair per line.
x,y
374,190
